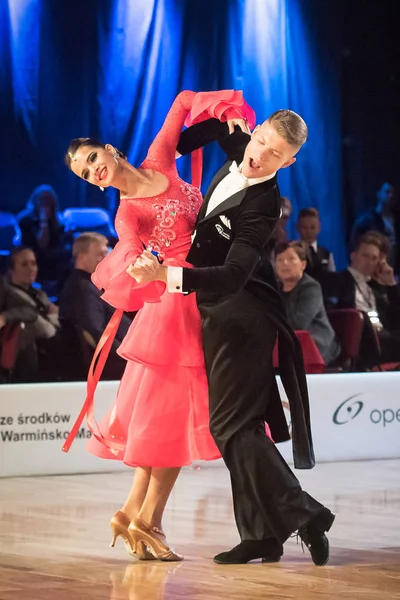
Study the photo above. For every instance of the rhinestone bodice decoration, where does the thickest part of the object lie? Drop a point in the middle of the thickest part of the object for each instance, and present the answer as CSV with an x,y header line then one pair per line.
x,y
166,221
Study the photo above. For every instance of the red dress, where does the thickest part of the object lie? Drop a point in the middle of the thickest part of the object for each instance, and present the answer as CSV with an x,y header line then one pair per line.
x,y
160,416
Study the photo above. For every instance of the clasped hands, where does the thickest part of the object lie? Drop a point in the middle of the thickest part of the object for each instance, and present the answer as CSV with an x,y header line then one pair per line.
x,y
147,269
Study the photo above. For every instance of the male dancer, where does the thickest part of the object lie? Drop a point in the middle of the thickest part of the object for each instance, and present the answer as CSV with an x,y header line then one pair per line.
x,y
242,314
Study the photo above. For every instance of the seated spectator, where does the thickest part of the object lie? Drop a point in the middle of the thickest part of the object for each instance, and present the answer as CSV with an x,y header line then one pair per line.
x,y
43,231
13,309
385,287
303,299
23,274
319,259
383,218
39,314
81,303
352,288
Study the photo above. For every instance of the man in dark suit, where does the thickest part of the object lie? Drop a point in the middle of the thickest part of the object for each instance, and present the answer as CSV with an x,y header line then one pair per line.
x,y
319,259
353,288
80,300
242,312
383,218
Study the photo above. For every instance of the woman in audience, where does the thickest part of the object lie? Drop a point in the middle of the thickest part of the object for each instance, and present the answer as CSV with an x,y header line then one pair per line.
x,y
303,298
43,231
42,322
13,310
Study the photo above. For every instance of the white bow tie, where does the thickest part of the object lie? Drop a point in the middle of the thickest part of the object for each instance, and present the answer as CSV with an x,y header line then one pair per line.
x,y
240,180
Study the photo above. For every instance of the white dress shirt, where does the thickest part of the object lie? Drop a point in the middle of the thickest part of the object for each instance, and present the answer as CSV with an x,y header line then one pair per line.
x,y
331,262
365,298
232,183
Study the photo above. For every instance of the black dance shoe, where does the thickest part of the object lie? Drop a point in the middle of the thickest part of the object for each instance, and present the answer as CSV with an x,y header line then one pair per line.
x,y
269,550
313,536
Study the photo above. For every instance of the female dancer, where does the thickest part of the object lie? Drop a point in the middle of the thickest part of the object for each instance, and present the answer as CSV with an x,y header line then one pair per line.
x,y
159,420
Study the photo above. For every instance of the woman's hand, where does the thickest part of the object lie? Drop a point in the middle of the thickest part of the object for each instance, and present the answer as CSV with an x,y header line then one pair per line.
x,y
242,124
147,269
53,309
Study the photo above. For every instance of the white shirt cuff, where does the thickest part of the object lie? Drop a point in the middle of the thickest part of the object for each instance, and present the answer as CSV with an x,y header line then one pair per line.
x,y
174,280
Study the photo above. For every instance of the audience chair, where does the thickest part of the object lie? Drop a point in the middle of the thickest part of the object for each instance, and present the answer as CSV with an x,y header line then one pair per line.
x,y
98,220
393,366
348,324
10,233
10,340
10,236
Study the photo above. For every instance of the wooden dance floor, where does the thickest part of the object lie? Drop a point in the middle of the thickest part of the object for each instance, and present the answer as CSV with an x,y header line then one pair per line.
x,y
55,540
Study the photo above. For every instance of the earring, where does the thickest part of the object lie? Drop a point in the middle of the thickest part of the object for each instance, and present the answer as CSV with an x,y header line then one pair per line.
x,y
115,157
102,189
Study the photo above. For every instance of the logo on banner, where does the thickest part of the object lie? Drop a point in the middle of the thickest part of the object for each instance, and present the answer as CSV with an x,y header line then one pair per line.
x,y
348,410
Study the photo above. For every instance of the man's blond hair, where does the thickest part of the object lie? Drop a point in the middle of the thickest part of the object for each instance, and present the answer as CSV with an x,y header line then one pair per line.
x,y
290,126
82,243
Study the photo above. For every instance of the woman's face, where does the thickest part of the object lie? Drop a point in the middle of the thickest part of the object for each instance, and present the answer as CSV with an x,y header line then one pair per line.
x,y
289,266
25,269
95,165
46,205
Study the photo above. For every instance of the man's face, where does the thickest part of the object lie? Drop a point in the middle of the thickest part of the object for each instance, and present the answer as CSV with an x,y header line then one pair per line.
x,y
267,152
365,259
95,254
387,196
25,269
309,228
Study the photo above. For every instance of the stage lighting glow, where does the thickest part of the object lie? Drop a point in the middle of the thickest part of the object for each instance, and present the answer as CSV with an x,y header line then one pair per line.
x,y
25,37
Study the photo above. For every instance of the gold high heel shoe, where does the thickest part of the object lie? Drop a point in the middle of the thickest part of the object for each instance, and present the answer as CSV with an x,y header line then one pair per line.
x,y
153,539
120,526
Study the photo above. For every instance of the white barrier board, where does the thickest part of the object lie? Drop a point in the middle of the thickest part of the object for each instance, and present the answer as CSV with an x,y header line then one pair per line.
x,y
354,417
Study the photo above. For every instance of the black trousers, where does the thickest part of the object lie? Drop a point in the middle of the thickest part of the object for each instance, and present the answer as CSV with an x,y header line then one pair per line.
x,y
268,499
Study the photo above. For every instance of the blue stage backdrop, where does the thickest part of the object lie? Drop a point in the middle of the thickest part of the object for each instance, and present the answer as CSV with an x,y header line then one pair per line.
x,y
112,68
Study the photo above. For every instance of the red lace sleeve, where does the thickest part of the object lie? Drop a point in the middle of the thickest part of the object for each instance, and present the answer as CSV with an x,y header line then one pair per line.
x,y
163,148
120,289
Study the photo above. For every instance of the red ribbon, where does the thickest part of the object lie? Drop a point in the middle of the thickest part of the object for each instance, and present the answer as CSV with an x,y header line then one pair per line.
x,y
95,370
197,167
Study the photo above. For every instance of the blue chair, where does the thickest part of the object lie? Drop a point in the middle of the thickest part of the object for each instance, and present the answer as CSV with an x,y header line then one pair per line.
x,y
10,236
10,233
79,220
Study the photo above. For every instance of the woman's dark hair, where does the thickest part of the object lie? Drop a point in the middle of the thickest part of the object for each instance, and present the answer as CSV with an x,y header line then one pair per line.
x,y
14,253
31,209
298,246
81,143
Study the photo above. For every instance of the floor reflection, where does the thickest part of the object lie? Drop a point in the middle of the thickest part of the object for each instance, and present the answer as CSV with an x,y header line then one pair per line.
x,y
143,581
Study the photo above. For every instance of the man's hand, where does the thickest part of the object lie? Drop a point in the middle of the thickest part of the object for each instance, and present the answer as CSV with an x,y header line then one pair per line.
x,y
3,321
385,274
147,269
242,124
